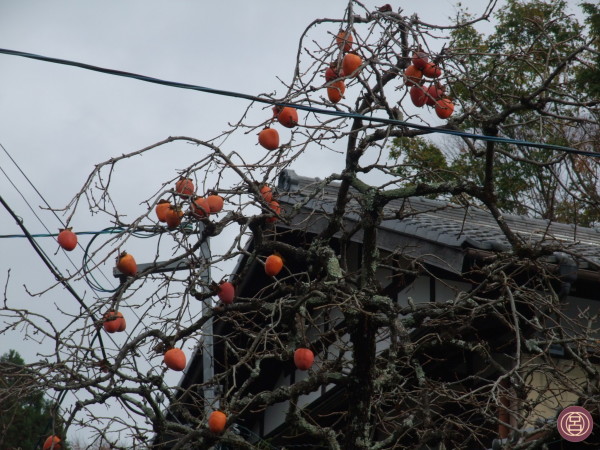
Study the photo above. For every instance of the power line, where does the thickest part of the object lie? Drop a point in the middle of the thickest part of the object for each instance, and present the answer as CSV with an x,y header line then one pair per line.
x,y
138,232
30,183
63,225
25,200
311,109
252,98
53,269
59,277
49,234
42,235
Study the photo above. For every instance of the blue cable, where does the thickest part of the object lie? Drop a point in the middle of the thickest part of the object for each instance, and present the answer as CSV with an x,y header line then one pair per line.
x,y
311,109
2,236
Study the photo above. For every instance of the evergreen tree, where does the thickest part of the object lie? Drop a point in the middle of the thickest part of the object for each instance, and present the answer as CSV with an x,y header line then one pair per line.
x,y
531,79
25,415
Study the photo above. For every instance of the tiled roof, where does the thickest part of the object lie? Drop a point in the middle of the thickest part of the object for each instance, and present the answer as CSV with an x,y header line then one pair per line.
x,y
452,225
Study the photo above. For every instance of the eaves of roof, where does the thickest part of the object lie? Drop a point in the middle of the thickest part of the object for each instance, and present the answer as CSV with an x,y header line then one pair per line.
x,y
441,225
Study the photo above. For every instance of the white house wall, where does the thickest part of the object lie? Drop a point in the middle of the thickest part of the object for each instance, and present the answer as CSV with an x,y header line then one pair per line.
x,y
418,291
582,311
426,288
423,289
274,415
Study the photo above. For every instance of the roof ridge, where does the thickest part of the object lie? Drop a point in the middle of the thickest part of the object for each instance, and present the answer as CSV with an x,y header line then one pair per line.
x,y
290,181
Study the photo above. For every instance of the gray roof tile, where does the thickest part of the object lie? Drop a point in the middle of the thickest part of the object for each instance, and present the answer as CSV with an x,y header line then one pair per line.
x,y
452,224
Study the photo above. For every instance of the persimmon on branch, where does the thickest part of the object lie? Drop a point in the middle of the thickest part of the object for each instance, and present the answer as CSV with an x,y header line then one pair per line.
x,y
321,302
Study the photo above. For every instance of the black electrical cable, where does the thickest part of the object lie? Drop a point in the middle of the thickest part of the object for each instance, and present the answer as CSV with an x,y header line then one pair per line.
x,y
52,269
63,225
311,109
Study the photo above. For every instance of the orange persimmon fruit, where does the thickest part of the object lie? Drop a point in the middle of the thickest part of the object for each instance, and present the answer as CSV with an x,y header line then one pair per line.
x,y
418,95
434,93
335,92
269,138
275,207
344,40
173,216
113,322
444,108
420,59
330,73
184,186
67,239
267,193
287,116
432,70
217,421
351,63
175,359
215,203
413,75
126,264
226,292
303,358
52,442
161,209
273,265
200,207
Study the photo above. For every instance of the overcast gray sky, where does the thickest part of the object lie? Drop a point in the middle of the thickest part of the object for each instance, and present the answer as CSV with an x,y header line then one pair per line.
x,y
58,122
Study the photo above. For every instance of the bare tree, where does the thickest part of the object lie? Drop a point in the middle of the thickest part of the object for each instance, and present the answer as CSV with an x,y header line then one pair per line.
x,y
413,373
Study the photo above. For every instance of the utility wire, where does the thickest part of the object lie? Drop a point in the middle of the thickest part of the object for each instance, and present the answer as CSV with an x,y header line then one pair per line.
x,y
25,200
141,233
27,235
78,233
46,259
30,183
58,276
258,100
311,109
52,268
63,225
